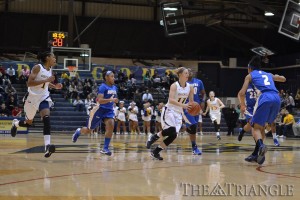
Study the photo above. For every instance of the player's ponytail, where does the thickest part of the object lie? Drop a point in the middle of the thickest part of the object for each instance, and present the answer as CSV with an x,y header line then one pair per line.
x,y
179,70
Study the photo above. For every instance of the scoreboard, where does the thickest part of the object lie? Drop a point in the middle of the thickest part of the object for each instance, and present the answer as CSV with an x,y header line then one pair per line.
x,y
57,39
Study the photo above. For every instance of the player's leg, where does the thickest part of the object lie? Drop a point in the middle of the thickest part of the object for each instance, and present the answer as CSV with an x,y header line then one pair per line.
x,y
216,119
92,123
191,124
45,115
119,127
273,129
109,127
124,127
246,128
171,125
200,125
30,112
108,116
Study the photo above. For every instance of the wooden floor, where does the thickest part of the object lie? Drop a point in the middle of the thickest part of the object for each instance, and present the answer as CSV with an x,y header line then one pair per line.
x,y
79,171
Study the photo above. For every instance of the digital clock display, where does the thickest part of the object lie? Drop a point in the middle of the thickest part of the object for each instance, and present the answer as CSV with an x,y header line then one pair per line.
x,y
57,39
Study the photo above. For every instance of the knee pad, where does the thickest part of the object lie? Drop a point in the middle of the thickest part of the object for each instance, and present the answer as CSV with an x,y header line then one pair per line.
x,y
192,129
47,126
169,131
171,137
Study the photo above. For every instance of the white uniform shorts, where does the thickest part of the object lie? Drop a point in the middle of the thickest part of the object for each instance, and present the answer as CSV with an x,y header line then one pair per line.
x,y
170,118
32,105
215,117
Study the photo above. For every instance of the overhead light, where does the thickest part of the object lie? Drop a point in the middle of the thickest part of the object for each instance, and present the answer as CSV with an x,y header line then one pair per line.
x,y
170,9
269,14
84,54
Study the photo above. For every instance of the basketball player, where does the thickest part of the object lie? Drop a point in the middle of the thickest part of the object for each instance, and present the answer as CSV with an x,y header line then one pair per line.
x,y
171,116
267,106
214,105
38,99
107,93
251,97
192,121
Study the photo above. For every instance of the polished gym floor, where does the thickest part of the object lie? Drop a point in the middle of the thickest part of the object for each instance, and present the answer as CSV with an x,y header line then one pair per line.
x,y
79,171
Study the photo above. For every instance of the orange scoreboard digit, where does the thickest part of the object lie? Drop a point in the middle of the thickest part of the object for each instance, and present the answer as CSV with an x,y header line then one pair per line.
x,y
57,39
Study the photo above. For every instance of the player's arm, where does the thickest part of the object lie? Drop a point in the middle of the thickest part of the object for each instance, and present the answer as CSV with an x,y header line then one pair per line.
x,y
278,78
31,79
55,86
191,94
221,104
242,93
207,107
101,99
172,99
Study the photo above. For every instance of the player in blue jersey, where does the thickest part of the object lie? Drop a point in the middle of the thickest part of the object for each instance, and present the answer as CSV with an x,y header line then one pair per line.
x,y
267,106
107,94
192,121
251,97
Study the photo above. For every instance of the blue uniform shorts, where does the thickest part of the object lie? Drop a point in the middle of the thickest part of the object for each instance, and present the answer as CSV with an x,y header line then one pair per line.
x,y
267,109
97,114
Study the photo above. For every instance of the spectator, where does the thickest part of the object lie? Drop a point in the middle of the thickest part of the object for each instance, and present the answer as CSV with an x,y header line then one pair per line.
x,y
64,77
146,113
132,78
17,112
147,97
146,79
80,90
121,117
11,103
165,81
87,89
4,112
72,93
24,74
78,103
87,103
133,119
231,117
10,90
172,77
297,99
11,74
287,124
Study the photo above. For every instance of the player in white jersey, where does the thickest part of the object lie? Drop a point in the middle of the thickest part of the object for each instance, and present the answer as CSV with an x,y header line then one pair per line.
x,y
214,105
171,116
38,99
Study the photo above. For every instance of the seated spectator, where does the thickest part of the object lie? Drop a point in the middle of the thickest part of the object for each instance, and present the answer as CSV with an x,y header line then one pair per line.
x,y
165,81
80,90
11,72
287,124
132,78
17,112
11,103
78,103
87,89
297,99
10,90
147,97
4,112
146,79
25,72
64,77
72,92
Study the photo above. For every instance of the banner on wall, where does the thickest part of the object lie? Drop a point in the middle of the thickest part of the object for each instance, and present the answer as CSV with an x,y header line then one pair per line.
x,y
5,126
96,70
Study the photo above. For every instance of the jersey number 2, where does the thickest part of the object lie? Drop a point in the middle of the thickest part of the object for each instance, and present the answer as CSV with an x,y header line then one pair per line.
x,y
266,80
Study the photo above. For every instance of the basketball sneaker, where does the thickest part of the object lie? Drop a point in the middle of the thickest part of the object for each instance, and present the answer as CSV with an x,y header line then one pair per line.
x,y
156,156
151,139
251,158
105,151
261,154
218,137
196,151
50,148
13,130
76,135
276,143
241,134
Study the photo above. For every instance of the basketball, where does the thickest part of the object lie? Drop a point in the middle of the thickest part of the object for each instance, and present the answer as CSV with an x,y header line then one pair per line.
x,y
195,109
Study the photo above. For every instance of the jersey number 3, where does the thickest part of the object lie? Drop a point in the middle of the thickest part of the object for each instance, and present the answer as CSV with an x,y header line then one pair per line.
x,y
266,80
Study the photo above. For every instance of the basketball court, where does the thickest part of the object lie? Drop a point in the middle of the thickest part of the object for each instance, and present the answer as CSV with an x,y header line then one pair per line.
x,y
79,171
